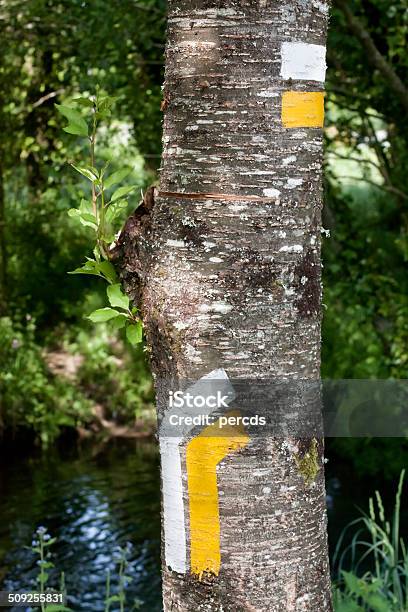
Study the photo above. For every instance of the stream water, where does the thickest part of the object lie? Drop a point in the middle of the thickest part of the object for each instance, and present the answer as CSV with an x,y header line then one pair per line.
x,y
92,501
98,498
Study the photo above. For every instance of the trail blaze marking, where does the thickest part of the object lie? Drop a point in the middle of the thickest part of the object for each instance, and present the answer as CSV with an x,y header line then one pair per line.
x,y
173,505
303,109
175,546
303,61
204,453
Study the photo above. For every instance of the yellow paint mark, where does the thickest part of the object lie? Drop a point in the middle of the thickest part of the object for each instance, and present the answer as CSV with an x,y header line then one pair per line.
x,y
303,109
203,454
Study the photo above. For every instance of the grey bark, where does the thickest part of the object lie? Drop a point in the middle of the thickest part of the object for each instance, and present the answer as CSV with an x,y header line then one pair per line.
x,y
232,280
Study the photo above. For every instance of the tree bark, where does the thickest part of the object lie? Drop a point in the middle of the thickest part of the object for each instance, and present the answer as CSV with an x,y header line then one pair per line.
x,y
225,265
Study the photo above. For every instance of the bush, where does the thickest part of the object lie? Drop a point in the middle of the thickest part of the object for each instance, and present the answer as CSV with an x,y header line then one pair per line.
x,y
31,397
114,374
376,545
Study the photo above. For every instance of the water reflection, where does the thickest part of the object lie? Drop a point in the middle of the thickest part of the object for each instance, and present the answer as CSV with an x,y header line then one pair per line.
x,y
93,503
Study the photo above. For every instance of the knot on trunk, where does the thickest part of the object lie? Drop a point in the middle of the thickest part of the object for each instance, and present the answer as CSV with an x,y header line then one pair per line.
x,y
132,252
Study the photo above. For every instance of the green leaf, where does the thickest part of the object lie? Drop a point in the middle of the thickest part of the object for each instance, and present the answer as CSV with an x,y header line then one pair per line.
x,y
69,113
103,314
89,267
104,169
377,603
106,102
89,172
86,206
134,333
75,130
348,606
108,271
104,106
108,238
50,543
119,322
47,564
88,219
76,123
74,212
114,210
84,101
122,191
352,583
83,270
98,268
57,608
117,297
116,177
85,214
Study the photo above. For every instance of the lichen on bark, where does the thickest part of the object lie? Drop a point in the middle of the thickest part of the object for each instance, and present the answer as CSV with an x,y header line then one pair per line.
x,y
308,462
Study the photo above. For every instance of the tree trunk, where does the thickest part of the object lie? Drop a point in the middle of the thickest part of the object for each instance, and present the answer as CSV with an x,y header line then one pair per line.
x,y
226,268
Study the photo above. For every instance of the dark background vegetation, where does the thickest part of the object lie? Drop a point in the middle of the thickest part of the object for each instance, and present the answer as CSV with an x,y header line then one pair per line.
x,y
60,372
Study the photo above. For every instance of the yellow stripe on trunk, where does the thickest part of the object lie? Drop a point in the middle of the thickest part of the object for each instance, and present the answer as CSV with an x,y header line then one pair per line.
x,y
303,109
203,455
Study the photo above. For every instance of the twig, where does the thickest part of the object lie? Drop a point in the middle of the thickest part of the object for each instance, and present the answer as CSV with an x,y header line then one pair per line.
x,y
389,188
374,57
52,94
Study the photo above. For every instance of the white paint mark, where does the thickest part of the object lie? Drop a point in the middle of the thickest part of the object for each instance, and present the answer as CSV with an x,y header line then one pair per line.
x,y
303,61
173,506
175,547
292,183
293,248
216,259
271,193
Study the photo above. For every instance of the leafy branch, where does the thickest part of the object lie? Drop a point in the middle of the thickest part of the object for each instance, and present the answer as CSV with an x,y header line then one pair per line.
x,y
100,212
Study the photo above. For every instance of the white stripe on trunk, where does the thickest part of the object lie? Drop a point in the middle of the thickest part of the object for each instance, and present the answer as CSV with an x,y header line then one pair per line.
x,y
303,61
175,540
